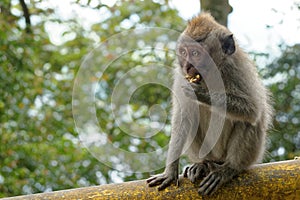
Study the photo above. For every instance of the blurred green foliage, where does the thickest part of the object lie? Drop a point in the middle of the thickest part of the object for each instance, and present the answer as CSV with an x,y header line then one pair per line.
x,y
284,77
40,149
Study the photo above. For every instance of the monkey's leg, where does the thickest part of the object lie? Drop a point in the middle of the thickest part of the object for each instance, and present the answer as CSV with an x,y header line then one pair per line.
x,y
244,148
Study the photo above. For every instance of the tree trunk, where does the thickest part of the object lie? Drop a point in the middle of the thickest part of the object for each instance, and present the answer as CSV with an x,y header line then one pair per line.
x,y
220,9
26,15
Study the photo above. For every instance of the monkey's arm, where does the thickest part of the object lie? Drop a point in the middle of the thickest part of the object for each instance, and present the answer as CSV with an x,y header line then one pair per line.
x,y
182,124
185,122
178,137
238,105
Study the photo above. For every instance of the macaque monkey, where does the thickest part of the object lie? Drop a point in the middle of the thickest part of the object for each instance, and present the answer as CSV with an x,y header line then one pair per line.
x,y
206,49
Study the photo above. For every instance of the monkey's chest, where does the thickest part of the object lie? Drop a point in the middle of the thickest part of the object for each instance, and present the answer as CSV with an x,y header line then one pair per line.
x,y
213,135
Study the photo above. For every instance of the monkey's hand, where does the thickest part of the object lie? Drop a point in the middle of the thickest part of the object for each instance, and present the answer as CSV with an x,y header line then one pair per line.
x,y
216,178
200,93
196,171
163,180
197,92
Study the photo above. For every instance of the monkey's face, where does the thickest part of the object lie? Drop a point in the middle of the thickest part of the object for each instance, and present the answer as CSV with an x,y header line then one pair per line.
x,y
193,58
197,57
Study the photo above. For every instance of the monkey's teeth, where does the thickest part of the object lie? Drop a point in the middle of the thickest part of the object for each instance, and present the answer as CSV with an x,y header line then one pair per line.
x,y
195,79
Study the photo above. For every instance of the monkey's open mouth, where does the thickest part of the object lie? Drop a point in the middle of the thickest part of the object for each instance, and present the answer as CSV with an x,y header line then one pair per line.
x,y
193,79
193,75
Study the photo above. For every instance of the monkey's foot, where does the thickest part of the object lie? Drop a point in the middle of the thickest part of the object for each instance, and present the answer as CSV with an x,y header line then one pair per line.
x,y
216,179
163,180
196,171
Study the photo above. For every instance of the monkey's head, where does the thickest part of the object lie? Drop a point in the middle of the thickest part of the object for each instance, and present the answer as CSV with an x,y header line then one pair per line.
x,y
203,41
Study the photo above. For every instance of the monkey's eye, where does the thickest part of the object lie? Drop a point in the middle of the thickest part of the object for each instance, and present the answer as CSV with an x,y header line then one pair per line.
x,y
183,52
195,53
200,40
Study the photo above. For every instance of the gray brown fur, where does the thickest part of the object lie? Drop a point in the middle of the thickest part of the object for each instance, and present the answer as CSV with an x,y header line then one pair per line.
x,y
248,116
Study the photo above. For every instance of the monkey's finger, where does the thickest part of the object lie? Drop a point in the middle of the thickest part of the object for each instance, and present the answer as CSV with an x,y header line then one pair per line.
x,y
150,179
189,173
212,187
193,174
194,169
156,181
208,185
185,172
166,183
207,180
198,173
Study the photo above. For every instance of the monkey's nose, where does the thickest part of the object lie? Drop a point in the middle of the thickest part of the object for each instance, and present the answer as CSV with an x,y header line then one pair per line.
x,y
187,67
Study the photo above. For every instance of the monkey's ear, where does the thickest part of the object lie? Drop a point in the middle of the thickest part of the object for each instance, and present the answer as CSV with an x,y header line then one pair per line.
x,y
228,45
